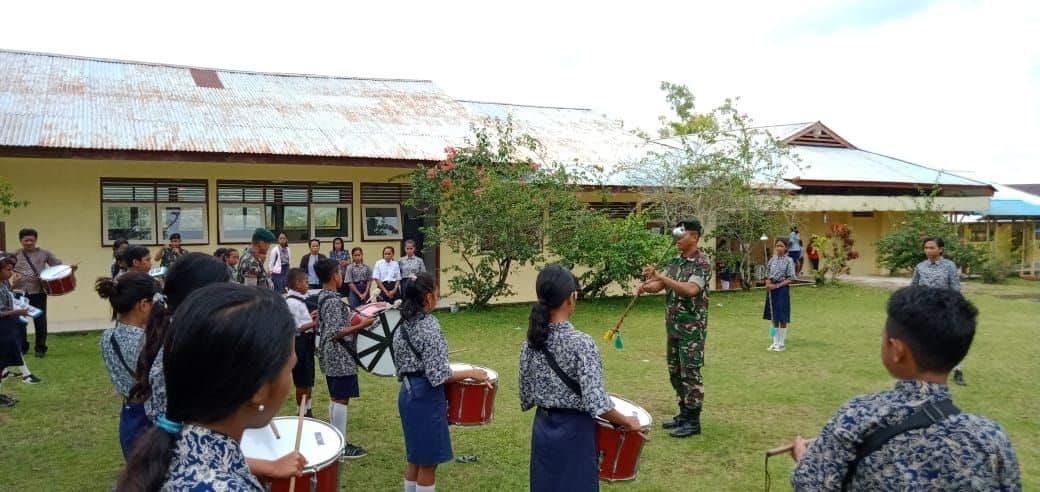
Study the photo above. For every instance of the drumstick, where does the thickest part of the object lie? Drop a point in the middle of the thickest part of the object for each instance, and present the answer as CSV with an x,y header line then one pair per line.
x,y
299,434
786,449
274,429
453,352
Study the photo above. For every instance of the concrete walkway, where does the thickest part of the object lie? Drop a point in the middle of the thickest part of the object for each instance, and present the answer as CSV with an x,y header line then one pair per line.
x,y
884,282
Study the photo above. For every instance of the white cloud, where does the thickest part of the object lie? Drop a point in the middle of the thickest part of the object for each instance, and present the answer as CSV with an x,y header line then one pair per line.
x,y
953,85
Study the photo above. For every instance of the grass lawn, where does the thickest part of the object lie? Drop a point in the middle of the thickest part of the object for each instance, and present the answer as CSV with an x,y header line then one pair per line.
x,y
62,435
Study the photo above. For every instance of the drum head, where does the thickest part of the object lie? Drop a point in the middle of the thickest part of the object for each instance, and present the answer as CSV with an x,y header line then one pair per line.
x,y
626,407
55,272
157,272
320,443
374,345
460,366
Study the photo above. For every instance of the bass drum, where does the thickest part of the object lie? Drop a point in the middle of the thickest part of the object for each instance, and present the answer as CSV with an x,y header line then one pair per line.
x,y
374,345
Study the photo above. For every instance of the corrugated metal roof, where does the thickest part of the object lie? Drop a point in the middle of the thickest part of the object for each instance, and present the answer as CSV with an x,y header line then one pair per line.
x,y
70,102
840,164
1008,203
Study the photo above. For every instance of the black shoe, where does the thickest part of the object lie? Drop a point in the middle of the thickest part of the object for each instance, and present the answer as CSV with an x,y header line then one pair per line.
x,y
675,422
353,452
958,377
690,426
309,414
7,401
40,355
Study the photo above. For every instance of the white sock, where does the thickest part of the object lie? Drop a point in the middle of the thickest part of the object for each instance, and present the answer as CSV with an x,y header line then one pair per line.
x,y
781,333
25,370
310,404
409,486
425,488
776,336
338,417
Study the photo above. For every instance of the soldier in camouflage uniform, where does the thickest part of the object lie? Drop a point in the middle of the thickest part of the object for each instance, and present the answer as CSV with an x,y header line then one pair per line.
x,y
251,270
686,321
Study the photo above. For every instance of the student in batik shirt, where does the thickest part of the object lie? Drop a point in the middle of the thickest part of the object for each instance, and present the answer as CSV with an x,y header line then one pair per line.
x,y
927,332
421,355
941,273
10,349
410,265
131,299
342,257
228,369
563,439
780,275
358,278
230,257
335,349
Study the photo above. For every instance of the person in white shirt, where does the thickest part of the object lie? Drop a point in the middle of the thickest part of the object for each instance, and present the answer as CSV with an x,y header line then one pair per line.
x,y
306,325
387,275
280,260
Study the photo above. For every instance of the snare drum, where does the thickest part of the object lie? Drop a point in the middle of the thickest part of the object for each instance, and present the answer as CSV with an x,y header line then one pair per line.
x,y
58,280
619,450
158,272
470,402
321,444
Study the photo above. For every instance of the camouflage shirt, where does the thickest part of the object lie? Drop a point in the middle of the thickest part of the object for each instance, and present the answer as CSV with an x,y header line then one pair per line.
x,y
683,315
249,268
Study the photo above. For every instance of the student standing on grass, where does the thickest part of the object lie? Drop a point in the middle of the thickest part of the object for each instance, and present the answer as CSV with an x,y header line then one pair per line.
x,y
342,258
410,265
308,262
780,274
131,298
32,260
941,273
912,438
306,330
387,274
228,369
686,324
561,373
280,261
336,348
10,349
421,355
794,249
358,278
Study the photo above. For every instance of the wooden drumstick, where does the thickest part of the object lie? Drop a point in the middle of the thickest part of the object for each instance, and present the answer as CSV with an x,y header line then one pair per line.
x,y
786,449
274,429
299,434
453,352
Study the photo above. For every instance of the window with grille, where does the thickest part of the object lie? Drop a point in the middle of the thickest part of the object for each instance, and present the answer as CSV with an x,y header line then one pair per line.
x,y
614,210
149,211
300,210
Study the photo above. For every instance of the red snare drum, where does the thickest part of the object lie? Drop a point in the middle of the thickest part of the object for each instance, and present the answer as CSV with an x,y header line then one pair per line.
x,y
470,402
321,444
58,280
367,310
619,450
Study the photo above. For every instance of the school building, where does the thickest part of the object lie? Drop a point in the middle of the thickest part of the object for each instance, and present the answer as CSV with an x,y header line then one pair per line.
x,y
1010,229
109,149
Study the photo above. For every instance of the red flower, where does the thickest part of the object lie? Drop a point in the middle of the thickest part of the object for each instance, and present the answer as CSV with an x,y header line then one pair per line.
x,y
447,165
451,152
534,166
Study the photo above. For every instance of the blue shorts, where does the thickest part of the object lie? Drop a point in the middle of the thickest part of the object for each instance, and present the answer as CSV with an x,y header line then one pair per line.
x,y
795,255
343,387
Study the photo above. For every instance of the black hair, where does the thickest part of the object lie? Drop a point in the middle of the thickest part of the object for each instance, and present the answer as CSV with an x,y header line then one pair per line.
x,y
123,294
28,231
784,240
934,239
228,340
555,284
134,253
116,245
355,249
414,297
281,233
937,324
693,224
325,268
191,272
342,246
224,253
175,235
294,276
410,242
794,228
314,240
391,248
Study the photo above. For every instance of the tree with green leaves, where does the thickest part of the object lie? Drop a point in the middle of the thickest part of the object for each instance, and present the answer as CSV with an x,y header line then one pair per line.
x,y
8,202
902,249
494,205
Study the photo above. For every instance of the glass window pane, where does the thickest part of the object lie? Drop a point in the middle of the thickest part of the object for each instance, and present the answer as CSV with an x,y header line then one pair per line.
x,y
188,220
132,222
331,221
237,222
382,222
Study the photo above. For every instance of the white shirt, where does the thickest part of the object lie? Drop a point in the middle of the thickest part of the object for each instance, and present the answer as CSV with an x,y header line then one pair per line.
x,y
386,271
298,309
276,259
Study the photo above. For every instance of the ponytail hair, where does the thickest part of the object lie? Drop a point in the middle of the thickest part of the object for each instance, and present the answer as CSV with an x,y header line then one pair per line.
x,y
226,342
191,272
414,296
125,293
555,284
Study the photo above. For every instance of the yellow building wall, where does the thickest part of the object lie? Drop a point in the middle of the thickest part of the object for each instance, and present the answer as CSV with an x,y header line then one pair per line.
x,y
65,207
866,231
1029,253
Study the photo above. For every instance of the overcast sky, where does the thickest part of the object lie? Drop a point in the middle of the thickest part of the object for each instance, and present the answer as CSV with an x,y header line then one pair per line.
x,y
950,84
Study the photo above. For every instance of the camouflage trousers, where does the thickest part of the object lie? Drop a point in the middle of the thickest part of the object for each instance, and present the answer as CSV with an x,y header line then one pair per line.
x,y
685,360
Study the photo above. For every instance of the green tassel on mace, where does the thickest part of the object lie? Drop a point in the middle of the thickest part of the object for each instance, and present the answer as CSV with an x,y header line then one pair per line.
x,y
618,344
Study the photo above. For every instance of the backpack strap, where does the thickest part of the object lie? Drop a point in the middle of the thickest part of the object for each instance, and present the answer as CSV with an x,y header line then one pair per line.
x,y
119,353
567,380
925,415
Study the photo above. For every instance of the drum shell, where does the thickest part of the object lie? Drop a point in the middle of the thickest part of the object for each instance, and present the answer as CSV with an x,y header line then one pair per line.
x,y
58,280
619,450
471,403
323,468
327,480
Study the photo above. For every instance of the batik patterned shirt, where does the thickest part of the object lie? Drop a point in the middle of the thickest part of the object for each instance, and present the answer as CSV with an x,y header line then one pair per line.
x,y
428,339
411,265
335,359
962,452
683,315
155,405
6,297
357,273
131,340
204,461
578,357
28,279
780,268
941,273
251,270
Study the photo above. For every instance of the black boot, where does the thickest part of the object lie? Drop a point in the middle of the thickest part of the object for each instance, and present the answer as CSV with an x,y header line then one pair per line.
x,y
690,426
675,422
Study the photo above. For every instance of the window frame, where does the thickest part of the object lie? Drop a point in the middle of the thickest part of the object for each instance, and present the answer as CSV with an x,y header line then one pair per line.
x,y
220,219
157,236
278,205
365,236
350,221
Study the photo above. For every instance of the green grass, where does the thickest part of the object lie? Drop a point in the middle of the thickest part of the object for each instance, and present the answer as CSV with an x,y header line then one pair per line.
x,y
62,435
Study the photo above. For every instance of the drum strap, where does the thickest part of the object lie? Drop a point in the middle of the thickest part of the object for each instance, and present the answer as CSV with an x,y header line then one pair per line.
x,y
408,340
35,272
343,343
119,353
930,413
567,380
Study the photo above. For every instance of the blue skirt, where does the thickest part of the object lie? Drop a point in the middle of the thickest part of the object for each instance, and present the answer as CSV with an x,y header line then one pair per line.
x,y
132,423
424,418
356,301
781,305
564,452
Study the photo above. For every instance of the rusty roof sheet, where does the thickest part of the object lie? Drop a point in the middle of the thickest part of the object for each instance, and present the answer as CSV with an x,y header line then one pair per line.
x,y
70,102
